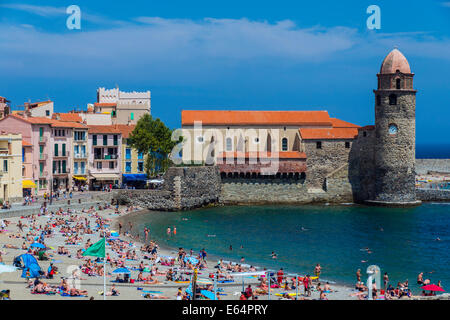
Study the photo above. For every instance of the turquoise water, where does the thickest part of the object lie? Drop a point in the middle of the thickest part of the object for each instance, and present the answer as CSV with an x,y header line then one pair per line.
x,y
402,241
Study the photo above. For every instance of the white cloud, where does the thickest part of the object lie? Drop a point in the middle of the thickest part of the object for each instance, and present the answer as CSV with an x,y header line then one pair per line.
x,y
44,11
48,11
174,47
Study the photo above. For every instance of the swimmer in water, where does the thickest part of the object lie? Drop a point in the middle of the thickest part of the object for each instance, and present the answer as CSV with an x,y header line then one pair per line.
x,y
437,239
274,255
303,229
363,261
174,230
168,230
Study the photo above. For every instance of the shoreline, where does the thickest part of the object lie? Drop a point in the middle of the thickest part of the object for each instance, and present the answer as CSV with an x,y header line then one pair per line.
x,y
94,284
168,250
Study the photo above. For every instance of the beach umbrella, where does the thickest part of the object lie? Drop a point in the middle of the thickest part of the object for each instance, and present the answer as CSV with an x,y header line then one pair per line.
x,y
6,268
432,287
37,245
121,271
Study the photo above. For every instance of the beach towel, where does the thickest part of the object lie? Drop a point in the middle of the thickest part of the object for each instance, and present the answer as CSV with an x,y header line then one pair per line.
x,y
64,294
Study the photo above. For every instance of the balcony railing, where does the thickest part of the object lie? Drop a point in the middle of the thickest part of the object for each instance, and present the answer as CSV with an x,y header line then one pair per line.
x,y
43,173
106,157
43,139
80,156
58,173
61,155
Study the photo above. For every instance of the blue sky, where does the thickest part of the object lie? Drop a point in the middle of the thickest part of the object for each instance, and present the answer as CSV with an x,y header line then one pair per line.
x,y
252,55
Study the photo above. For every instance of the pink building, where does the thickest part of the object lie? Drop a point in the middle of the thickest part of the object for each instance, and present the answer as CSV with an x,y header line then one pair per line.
x,y
51,142
105,156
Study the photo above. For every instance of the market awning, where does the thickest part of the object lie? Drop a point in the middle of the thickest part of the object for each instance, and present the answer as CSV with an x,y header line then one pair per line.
x,y
134,177
81,178
26,184
106,176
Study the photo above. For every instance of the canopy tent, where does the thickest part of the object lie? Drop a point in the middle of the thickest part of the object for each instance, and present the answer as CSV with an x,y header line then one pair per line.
x,y
106,176
30,263
155,181
132,177
79,178
121,271
37,245
27,184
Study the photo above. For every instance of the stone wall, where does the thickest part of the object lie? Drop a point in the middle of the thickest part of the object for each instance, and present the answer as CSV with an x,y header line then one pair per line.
x,y
395,153
321,162
361,166
183,188
433,195
272,190
423,166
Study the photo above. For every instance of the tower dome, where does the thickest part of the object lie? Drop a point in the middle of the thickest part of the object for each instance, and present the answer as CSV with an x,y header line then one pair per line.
x,y
394,61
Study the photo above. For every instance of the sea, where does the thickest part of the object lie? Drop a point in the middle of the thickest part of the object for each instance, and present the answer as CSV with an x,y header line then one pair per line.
x,y
343,238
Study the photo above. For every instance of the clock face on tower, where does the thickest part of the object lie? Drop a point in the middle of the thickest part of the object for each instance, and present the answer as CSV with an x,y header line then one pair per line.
x,y
393,129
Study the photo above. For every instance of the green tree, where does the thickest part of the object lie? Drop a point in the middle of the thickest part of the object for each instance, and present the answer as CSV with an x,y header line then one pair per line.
x,y
153,138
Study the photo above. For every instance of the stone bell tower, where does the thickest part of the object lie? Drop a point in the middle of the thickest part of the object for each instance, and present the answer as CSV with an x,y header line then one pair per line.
x,y
395,133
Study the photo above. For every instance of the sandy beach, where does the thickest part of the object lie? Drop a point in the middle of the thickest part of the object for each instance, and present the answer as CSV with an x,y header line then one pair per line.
x,y
12,237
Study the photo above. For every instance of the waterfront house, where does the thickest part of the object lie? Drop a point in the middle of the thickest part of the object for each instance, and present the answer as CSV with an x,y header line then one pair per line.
x,y
10,167
105,156
133,172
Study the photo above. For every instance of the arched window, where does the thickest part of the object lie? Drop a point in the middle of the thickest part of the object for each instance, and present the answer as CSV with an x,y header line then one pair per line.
x,y
397,83
229,143
392,99
284,144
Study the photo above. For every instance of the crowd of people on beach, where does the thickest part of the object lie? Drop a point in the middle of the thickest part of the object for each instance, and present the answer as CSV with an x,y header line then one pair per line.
x,y
143,259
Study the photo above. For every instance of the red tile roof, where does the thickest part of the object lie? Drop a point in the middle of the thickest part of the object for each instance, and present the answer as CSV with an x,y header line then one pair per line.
x,y
341,130
268,155
73,117
216,117
328,133
338,123
104,129
369,127
105,104
125,129
51,122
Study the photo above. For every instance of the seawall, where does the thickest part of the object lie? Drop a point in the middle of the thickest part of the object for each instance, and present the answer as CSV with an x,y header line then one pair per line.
x,y
433,195
424,166
183,188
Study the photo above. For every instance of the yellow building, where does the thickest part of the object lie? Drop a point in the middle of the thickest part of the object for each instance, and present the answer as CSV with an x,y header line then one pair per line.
x,y
132,161
10,167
